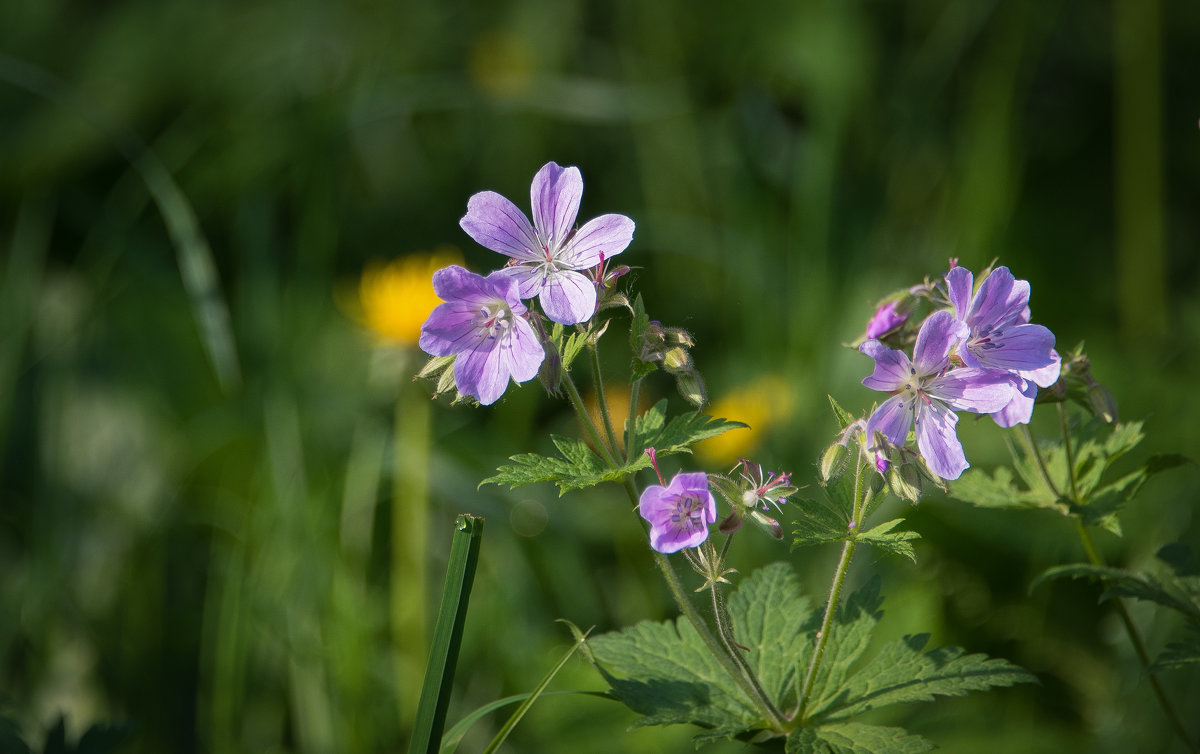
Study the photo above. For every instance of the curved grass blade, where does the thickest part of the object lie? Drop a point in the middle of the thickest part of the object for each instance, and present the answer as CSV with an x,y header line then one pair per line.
x,y
193,254
447,636
533,695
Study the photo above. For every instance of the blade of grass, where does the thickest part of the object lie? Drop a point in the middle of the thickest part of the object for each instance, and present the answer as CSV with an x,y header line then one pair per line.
x,y
193,255
447,636
533,696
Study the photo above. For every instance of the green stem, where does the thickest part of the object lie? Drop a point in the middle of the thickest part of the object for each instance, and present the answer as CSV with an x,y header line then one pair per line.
x,y
586,421
1066,432
739,672
635,390
835,593
602,401
1096,559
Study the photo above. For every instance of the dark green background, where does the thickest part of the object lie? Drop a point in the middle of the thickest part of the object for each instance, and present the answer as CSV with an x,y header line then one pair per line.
x,y
173,547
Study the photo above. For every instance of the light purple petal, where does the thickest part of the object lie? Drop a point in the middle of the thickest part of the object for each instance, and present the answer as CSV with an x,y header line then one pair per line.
x,y
695,483
524,351
479,372
1019,410
892,368
455,283
939,333
606,235
1016,348
555,194
1047,375
568,297
938,441
530,278
1001,299
662,507
497,224
450,329
893,418
982,391
959,285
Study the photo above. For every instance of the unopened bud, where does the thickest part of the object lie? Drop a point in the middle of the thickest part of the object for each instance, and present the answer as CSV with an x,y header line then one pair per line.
x,y
905,482
691,387
833,461
733,521
676,359
768,524
1102,402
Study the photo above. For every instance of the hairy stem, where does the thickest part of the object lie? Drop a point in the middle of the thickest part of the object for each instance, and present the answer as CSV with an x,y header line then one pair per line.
x,y
741,674
835,593
602,402
1096,559
635,389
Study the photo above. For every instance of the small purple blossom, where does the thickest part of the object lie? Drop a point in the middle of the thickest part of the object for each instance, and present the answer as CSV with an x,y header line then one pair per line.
x,y
925,389
482,324
885,319
1000,336
679,514
548,254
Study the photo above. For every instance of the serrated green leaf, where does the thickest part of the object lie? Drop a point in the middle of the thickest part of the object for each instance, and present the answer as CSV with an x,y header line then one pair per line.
x,y
1120,582
677,435
844,419
902,672
896,542
578,468
856,738
665,672
850,636
1179,654
819,521
571,347
998,491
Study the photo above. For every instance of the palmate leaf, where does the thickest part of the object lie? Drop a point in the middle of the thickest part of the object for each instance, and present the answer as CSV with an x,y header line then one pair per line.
x,y
578,468
903,672
652,430
827,519
664,672
856,738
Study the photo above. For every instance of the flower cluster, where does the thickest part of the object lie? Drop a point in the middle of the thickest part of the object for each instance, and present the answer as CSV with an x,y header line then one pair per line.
x,y
980,354
483,324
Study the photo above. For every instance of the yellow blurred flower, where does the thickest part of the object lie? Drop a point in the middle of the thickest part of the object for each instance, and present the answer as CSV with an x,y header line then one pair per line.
x,y
617,398
397,296
764,403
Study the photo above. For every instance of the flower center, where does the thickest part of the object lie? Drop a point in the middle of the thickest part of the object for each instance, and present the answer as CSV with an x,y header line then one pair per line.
x,y
494,319
688,514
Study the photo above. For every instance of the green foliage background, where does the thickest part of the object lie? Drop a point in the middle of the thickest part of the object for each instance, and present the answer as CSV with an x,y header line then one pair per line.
x,y
198,533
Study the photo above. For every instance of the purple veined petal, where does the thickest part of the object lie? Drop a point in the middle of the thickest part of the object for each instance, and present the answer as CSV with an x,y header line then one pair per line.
x,y
959,285
893,418
1016,348
651,504
555,194
568,297
939,333
884,320
1047,375
981,391
1019,410
449,329
1001,299
938,441
454,282
530,278
606,235
479,372
892,368
524,351
497,224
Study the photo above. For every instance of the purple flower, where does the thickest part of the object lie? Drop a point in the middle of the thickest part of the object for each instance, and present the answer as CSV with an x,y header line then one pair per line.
x,y
680,513
926,389
481,323
547,255
1001,337
885,319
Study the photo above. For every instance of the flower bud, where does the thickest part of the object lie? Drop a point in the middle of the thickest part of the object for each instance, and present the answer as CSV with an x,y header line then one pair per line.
x,y
905,482
676,359
833,462
1102,402
691,387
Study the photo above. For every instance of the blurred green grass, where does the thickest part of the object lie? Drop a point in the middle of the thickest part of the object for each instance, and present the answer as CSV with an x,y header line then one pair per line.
x,y
214,560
